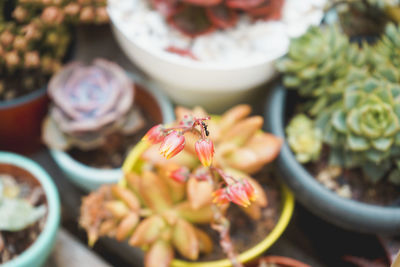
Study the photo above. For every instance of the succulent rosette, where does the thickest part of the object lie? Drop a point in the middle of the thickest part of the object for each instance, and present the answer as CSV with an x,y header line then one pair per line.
x,y
365,126
196,17
89,102
304,138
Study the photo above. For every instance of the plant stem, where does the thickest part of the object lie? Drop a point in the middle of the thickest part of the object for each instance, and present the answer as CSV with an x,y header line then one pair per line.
x,y
221,225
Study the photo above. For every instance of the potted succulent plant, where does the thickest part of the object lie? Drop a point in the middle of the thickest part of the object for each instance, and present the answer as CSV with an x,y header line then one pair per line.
x,y
176,205
34,40
98,113
29,212
219,49
344,129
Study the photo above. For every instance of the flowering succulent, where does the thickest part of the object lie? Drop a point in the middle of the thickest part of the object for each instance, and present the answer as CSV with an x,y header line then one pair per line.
x,y
90,102
304,138
196,17
159,202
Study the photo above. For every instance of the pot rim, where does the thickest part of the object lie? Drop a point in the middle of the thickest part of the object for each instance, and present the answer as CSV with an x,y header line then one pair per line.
x,y
341,211
199,65
21,100
93,174
53,202
268,241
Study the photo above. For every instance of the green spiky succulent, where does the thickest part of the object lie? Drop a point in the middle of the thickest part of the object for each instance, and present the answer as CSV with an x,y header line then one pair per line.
x,y
304,138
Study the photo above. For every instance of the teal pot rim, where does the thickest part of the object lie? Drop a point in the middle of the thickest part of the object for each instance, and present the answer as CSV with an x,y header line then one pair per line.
x,y
345,213
48,234
90,176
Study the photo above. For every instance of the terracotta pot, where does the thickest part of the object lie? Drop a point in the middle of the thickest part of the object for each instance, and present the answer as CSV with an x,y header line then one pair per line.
x,y
20,121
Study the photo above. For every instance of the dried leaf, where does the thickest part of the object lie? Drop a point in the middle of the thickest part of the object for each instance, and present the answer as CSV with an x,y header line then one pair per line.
x,y
117,208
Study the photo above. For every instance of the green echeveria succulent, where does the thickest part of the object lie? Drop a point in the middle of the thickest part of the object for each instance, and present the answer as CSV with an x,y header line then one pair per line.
x,y
314,59
304,138
356,105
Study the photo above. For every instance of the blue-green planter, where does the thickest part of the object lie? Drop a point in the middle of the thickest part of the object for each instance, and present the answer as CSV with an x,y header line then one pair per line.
x,y
89,178
39,251
346,213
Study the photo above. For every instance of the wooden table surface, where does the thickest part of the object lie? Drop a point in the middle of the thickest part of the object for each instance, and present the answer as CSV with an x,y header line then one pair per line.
x,y
307,238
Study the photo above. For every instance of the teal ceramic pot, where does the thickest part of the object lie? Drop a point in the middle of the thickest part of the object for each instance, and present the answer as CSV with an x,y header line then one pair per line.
x,y
88,178
346,213
39,251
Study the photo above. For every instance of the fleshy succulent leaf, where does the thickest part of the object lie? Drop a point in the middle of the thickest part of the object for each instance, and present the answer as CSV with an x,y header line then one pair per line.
x,y
147,231
185,240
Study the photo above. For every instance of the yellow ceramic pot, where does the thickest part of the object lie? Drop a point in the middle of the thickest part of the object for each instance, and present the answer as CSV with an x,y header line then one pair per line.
x,y
133,163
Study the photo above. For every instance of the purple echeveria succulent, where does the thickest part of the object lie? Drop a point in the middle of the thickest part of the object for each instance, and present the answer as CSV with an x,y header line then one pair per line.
x,y
90,101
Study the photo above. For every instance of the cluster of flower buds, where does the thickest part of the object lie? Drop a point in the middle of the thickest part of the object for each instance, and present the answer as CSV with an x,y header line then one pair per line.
x,y
57,12
173,140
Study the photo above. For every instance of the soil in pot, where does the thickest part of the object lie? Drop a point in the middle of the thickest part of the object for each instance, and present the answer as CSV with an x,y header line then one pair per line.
x,y
114,151
245,232
13,244
347,183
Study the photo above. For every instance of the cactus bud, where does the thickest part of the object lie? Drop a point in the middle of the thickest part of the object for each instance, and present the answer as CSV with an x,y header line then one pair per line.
x,y
20,14
6,38
87,14
20,43
12,59
31,59
101,15
72,9
52,15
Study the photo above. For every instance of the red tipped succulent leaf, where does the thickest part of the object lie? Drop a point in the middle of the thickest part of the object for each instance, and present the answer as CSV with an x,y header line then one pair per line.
x,y
203,2
268,10
191,21
221,16
243,4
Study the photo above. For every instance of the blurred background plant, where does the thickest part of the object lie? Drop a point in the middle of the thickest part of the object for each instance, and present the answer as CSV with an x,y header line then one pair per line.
x,y
352,95
34,39
197,17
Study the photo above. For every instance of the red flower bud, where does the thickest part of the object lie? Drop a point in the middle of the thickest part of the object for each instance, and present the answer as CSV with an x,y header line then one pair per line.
x,y
205,151
180,175
154,135
221,197
173,144
240,193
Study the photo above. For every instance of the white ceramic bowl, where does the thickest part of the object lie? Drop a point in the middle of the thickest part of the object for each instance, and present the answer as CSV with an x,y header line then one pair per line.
x,y
213,85
89,178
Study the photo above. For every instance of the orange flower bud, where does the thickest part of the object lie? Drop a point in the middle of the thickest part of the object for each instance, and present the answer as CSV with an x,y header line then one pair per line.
x,y
154,135
87,14
173,144
6,38
52,15
20,14
205,151
180,175
11,58
240,193
72,9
